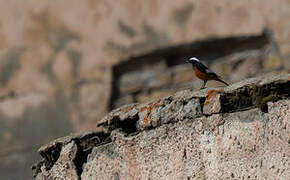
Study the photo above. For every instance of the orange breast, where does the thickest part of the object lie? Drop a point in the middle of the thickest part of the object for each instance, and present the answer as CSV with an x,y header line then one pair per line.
x,y
201,75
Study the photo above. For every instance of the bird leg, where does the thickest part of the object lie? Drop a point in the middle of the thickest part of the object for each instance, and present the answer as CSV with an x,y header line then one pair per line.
x,y
203,86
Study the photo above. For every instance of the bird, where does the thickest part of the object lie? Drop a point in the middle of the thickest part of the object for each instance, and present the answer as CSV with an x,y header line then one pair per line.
x,y
203,72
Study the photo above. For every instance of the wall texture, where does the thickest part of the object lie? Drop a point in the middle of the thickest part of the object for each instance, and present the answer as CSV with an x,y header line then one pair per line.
x,y
57,59
238,132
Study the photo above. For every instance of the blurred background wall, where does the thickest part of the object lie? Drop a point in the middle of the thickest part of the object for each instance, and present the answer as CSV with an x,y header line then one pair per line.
x,y
64,64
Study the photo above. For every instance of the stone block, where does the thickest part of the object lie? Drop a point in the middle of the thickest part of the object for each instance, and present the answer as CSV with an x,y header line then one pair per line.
x,y
212,102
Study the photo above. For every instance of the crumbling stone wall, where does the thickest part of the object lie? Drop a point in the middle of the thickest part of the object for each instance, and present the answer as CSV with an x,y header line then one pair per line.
x,y
189,135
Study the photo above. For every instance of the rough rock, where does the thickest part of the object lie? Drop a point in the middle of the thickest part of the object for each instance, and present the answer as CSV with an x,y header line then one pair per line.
x,y
244,133
56,64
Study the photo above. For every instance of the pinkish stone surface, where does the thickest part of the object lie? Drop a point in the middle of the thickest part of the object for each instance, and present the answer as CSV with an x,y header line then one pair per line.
x,y
236,147
179,141
212,102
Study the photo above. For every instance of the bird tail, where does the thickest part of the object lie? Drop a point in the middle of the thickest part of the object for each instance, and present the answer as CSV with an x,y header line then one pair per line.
x,y
218,79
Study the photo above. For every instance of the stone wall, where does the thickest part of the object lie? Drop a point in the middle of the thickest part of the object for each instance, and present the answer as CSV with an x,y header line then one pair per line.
x,y
237,132
57,59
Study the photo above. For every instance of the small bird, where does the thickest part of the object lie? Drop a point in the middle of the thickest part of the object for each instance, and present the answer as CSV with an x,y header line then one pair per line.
x,y
202,72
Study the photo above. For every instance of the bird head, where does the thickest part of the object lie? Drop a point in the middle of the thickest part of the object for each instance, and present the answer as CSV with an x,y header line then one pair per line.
x,y
193,60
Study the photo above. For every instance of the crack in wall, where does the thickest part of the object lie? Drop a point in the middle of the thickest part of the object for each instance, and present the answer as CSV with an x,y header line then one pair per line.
x,y
128,126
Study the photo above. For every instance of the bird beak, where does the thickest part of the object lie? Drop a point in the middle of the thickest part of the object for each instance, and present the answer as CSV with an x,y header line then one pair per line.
x,y
187,61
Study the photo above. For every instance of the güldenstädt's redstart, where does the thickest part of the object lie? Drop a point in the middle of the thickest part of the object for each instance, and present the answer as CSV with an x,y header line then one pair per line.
x,y
203,72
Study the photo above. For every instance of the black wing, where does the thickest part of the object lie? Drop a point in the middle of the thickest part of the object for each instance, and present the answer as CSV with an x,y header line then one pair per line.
x,y
201,67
